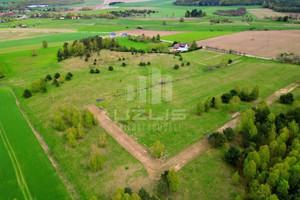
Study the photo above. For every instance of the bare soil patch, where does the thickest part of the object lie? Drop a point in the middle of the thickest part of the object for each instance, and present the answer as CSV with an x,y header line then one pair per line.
x,y
265,12
150,33
266,44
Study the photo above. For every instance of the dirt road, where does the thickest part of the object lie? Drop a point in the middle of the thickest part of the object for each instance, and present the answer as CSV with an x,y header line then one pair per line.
x,y
154,166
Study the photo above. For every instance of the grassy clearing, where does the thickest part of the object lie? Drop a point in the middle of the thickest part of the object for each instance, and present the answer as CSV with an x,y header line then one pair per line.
x,y
127,43
30,164
59,37
194,36
205,176
249,72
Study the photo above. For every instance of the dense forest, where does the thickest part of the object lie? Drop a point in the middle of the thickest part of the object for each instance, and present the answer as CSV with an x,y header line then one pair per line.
x,y
277,5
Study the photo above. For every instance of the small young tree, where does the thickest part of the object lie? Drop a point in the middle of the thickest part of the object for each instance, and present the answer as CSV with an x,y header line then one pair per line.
x,y
233,155
229,133
102,140
217,139
164,23
71,138
176,66
255,92
96,161
92,71
58,122
110,68
56,75
34,52
36,86
123,64
173,180
60,55
226,97
88,119
97,71
158,149
218,102
79,131
56,83
48,78
199,108
236,178
181,19
76,118
27,93
229,61
2,73
207,105
234,104
45,44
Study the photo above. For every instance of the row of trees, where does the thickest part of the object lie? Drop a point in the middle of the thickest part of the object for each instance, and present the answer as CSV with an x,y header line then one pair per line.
x,y
243,94
86,46
195,13
280,6
145,39
232,12
288,58
270,160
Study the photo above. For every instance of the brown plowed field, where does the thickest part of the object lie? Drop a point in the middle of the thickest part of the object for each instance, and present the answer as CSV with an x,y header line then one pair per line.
x,y
266,44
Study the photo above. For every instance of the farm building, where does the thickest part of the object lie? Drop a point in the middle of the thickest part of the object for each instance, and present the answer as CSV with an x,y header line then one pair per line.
x,y
181,47
112,35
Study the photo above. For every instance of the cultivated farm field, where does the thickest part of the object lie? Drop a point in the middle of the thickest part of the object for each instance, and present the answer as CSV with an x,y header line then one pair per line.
x,y
266,44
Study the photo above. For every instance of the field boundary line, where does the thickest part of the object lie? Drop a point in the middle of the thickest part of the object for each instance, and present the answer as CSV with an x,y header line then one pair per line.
x,y
156,167
19,174
47,151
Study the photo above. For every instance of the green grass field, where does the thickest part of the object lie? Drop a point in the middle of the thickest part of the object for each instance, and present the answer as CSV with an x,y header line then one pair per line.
x,y
27,173
194,36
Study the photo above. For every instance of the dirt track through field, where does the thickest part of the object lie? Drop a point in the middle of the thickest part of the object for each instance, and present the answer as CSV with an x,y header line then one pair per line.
x,y
154,166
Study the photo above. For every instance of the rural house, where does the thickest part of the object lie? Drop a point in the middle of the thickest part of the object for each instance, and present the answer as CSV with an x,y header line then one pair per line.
x,y
181,47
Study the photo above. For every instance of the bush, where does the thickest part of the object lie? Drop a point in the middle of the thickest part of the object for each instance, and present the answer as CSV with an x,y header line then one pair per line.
x,y
226,97
218,102
59,123
188,63
163,188
96,161
92,71
27,93
181,19
48,78
95,61
207,105
229,133
182,64
233,155
234,104
176,66
148,63
173,180
199,108
57,75
61,79
97,71
68,77
45,44
142,64
287,98
123,64
229,61
158,149
34,53
217,139
56,83
71,138
110,68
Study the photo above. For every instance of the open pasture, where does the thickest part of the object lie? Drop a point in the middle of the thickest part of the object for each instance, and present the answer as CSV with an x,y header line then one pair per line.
x,y
258,43
200,85
24,168
195,36
150,33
